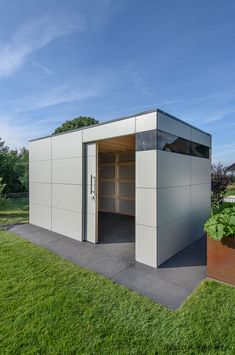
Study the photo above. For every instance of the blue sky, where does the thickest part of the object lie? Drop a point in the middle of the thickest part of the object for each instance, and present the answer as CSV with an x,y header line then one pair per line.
x,y
108,58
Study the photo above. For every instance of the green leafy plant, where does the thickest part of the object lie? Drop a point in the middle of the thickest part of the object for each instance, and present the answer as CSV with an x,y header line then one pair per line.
x,y
221,225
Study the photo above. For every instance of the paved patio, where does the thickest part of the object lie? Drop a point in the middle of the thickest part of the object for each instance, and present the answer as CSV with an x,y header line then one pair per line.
x,y
168,285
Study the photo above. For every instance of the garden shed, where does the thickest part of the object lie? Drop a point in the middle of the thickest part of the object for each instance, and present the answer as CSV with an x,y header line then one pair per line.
x,y
145,177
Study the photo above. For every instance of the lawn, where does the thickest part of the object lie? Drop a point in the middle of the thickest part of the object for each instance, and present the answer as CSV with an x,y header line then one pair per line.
x,y
231,190
51,306
15,211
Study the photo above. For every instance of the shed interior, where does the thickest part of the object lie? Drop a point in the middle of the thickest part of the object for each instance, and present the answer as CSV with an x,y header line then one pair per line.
x,y
116,188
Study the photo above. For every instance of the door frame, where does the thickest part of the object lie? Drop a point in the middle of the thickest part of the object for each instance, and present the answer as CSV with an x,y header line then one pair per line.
x,y
85,188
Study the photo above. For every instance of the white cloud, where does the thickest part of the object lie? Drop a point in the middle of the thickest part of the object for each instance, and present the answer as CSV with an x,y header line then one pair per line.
x,y
30,37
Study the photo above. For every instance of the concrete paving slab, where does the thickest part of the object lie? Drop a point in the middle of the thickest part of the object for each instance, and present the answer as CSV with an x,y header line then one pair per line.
x,y
168,285
101,262
149,284
67,247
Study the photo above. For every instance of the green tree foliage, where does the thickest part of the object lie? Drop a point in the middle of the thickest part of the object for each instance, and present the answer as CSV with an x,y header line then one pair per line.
x,y
13,168
81,121
2,195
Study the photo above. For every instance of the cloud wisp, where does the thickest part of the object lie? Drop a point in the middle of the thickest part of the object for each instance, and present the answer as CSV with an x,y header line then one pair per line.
x,y
30,37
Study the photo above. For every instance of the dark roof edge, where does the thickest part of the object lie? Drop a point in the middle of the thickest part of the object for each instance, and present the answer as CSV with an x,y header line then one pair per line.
x,y
98,124
120,119
181,121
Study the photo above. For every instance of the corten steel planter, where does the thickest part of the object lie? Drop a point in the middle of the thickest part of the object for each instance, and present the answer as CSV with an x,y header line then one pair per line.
x,y
221,259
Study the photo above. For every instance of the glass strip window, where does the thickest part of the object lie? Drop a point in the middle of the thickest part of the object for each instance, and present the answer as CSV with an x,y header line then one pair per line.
x,y
156,139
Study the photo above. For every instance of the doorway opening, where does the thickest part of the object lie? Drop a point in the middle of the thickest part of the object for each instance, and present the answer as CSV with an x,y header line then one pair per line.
x,y
116,190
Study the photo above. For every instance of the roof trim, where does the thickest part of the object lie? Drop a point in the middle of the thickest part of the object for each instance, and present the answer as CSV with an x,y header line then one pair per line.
x,y
97,124
181,121
120,119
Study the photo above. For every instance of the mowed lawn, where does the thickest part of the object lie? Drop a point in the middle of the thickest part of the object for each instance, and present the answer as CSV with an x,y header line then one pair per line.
x,y
14,211
49,305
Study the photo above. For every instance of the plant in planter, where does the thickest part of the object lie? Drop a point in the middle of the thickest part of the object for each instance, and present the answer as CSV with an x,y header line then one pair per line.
x,y
220,230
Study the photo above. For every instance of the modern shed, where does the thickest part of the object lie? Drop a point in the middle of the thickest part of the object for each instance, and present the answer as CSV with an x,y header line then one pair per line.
x,y
150,166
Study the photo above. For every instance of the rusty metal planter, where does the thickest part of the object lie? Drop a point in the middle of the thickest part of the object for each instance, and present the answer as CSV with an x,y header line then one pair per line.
x,y
221,259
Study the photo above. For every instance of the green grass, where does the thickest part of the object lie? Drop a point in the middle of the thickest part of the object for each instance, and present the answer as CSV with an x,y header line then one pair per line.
x,y
15,211
49,305
230,192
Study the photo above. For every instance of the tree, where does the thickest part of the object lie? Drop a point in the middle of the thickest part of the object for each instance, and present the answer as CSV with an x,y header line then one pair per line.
x,y
2,196
220,181
81,121
13,168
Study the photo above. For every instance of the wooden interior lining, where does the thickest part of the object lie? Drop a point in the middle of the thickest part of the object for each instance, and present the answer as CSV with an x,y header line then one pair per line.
x,y
118,144
118,147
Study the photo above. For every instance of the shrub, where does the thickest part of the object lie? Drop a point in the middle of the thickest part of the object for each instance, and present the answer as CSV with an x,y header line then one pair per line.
x,y
220,181
222,224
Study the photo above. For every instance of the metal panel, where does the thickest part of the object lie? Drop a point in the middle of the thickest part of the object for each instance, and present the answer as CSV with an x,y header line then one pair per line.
x,y
40,193
146,122
40,150
198,219
200,196
173,169
146,169
40,215
40,171
113,129
67,145
68,223
67,197
146,207
172,238
173,203
67,171
200,171
146,245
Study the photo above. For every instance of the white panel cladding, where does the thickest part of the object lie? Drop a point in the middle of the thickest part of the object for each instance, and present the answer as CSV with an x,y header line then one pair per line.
x,y
146,122
40,193
200,137
172,238
67,171
146,245
40,215
68,223
200,196
173,169
109,130
170,125
67,197
40,171
200,171
40,150
146,167
198,220
146,213
173,203
67,145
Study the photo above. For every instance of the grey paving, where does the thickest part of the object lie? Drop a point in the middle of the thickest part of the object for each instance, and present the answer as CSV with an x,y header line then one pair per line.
x,y
114,257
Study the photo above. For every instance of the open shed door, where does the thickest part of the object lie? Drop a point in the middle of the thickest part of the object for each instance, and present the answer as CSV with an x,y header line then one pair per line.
x,y
91,234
